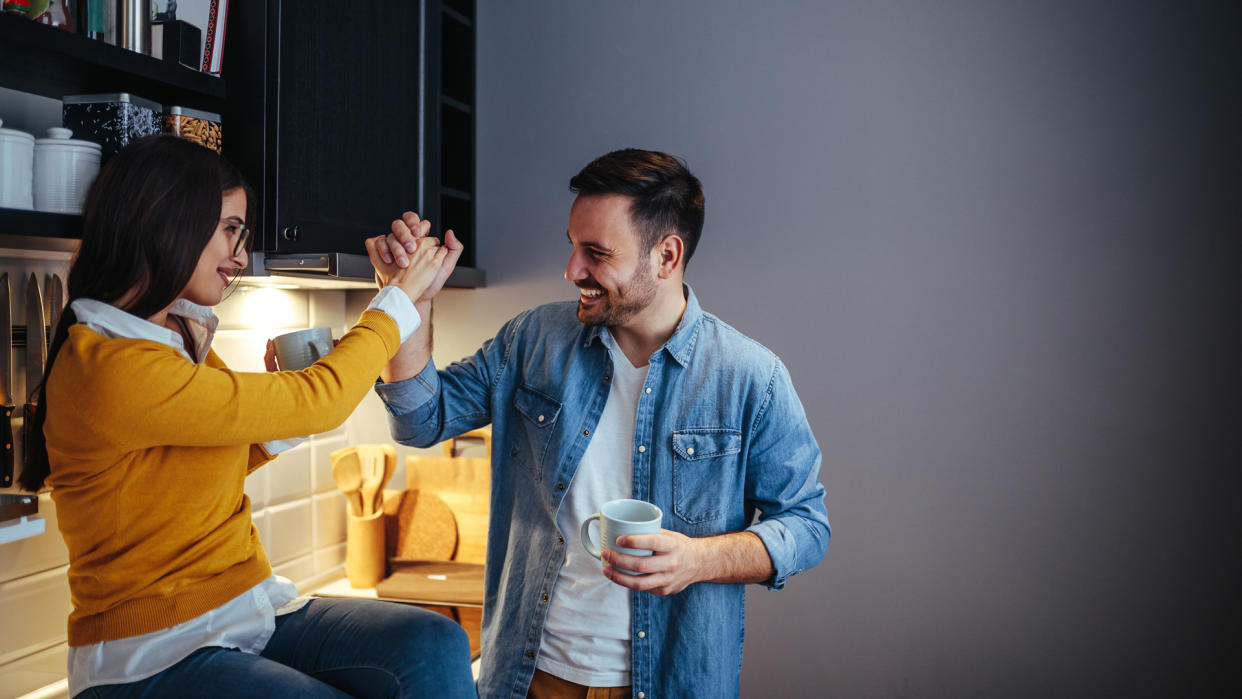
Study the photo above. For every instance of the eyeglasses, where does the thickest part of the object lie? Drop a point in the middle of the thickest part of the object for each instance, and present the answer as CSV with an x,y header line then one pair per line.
x,y
243,240
243,235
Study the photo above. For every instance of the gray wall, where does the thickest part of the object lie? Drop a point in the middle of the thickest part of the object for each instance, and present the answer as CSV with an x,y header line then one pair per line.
x,y
988,238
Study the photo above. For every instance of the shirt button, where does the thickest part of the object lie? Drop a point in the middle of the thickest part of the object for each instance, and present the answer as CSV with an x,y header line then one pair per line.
x,y
545,597
540,418
640,695
586,433
641,449
642,634
648,389
690,451
607,377
530,653
560,540
560,486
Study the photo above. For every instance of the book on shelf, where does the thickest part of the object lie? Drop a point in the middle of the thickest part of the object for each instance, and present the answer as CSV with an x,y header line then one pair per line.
x,y
211,17
213,44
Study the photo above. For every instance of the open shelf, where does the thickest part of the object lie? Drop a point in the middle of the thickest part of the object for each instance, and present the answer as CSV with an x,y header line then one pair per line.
x,y
51,62
40,223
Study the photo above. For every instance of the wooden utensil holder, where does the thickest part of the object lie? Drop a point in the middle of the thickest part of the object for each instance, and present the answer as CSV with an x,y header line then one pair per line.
x,y
365,562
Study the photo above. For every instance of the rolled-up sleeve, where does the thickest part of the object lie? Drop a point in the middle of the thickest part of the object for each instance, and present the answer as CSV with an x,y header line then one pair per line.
x,y
435,405
783,483
793,543
411,404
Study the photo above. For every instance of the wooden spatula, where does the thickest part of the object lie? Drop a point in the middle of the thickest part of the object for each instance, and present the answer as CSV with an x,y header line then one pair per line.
x,y
373,460
347,472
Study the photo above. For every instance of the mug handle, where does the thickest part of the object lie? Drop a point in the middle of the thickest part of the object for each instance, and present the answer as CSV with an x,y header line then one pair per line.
x,y
586,536
318,351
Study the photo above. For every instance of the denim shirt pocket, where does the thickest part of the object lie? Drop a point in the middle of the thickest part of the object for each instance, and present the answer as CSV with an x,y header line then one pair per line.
x,y
528,442
704,470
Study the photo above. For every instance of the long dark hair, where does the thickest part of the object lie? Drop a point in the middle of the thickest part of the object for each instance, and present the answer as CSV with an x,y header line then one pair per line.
x,y
147,218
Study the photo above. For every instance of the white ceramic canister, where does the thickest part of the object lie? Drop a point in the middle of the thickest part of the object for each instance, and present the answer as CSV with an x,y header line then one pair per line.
x,y
16,168
63,170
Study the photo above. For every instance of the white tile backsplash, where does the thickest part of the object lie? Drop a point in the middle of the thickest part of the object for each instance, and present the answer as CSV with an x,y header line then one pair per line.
x,y
256,488
34,609
259,520
289,475
242,350
330,510
327,308
265,308
38,553
329,559
296,569
42,672
321,448
289,530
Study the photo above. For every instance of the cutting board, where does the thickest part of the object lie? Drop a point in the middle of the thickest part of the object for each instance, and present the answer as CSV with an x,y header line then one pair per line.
x,y
463,483
434,582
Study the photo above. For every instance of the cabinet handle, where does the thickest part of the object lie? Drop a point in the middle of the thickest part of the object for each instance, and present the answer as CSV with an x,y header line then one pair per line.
x,y
290,233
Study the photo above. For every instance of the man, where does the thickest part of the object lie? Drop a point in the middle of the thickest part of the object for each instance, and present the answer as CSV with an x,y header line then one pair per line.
x,y
632,391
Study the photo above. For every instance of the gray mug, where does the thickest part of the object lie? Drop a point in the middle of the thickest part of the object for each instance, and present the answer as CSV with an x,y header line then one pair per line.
x,y
298,350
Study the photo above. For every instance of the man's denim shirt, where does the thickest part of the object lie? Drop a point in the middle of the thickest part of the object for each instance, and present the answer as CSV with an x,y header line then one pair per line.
x,y
719,434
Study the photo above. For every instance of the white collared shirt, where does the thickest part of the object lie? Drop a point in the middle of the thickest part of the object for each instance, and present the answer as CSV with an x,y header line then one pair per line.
x,y
247,621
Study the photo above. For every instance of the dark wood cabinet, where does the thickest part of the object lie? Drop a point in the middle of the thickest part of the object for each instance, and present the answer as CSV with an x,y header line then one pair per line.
x,y
342,120
451,90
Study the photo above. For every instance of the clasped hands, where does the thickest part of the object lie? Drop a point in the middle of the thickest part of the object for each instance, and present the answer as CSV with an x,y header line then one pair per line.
x,y
410,258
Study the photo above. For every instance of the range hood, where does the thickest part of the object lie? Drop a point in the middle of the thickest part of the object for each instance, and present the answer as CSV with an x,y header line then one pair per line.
x,y
333,270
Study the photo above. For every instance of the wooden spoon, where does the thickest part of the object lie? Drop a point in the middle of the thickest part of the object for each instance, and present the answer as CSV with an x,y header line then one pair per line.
x,y
390,465
347,472
373,460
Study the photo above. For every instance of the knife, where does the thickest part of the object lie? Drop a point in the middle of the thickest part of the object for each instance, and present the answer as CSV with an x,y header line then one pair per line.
x,y
36,355
53,303
6,383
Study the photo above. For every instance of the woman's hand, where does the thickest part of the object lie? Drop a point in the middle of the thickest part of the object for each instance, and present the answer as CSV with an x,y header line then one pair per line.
x,y
414,270
269,357
395,248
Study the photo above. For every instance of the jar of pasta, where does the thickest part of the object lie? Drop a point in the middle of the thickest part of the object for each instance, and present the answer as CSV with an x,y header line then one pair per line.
x,y
201,127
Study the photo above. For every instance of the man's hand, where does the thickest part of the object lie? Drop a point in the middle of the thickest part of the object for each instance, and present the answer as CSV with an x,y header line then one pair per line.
x,y
674,565
395,248
679,561
421,265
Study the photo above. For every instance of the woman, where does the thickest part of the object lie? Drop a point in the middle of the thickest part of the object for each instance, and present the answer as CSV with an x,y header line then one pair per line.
x,y
146,438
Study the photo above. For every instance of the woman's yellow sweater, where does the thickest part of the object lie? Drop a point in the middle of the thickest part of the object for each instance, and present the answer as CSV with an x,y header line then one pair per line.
x,y
149,453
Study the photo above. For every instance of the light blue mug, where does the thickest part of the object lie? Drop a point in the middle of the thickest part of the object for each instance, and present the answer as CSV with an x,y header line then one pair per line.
x,y
620,518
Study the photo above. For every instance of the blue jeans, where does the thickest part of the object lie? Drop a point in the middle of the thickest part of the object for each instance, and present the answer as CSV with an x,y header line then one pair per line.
x,y
329,648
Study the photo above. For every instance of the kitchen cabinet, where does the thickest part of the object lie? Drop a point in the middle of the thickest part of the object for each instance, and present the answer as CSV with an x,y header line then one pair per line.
x,y
451,157
342,118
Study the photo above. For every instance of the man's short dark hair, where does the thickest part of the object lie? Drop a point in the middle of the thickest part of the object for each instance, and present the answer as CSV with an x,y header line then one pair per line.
x,y
666,197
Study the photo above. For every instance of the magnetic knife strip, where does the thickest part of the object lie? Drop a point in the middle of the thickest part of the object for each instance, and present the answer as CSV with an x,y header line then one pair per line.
x,y
19,335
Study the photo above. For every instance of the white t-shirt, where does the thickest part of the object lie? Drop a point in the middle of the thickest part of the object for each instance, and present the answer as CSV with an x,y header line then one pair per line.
x,y
586,637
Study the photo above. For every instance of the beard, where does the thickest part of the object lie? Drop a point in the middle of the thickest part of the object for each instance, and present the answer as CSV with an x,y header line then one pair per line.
x,y
618,307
